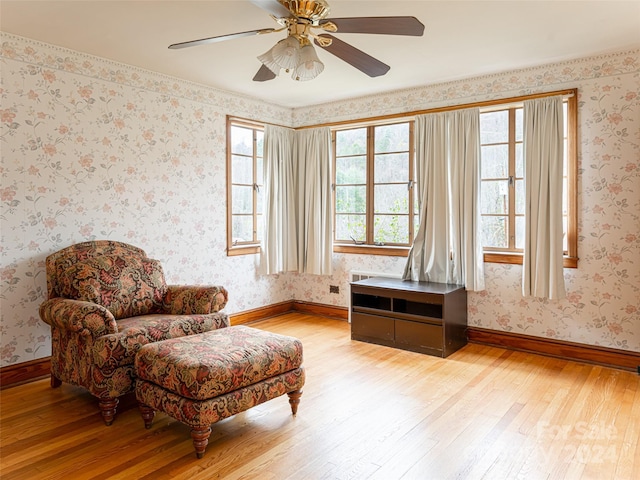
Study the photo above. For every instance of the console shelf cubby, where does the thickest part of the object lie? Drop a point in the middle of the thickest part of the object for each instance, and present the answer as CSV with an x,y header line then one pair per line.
x,y
423,317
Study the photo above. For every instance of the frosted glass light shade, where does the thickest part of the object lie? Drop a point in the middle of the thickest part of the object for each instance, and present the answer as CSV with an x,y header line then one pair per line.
x,y
267,60
309,65
286,52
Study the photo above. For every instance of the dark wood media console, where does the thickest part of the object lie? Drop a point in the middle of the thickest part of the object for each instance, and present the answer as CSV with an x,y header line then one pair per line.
x,y
423,317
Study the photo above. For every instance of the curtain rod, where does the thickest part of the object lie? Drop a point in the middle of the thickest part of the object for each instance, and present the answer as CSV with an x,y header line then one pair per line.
x,y
568,93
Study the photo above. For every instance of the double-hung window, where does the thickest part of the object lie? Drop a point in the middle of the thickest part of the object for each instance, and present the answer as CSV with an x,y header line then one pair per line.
x,y
373,188
244,186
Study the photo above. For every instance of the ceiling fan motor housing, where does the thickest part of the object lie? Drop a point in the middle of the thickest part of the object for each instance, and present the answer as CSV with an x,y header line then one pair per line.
x,y
313,10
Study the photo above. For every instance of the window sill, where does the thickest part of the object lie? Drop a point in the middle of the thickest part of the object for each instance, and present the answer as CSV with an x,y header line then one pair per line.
x,y
372,250
516,259
243,250
489,257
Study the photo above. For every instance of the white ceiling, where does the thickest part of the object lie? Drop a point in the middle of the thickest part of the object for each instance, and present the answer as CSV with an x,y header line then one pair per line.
x,y
462,39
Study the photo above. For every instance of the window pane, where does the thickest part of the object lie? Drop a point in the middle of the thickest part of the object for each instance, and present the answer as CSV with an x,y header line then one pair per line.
x,y
391,168
259,143
565,237
519,161
495,232
565,204
392,138
519,197
494,127
519,124
520,232
391,229
241,140
241,169
494,198
260,232
391,199
242,228
241,199
351,199
259,201
350,170
349,227
259,171
351,142
495,161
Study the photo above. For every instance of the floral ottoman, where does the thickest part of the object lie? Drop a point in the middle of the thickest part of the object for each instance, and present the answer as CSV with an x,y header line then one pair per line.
x,y
201,379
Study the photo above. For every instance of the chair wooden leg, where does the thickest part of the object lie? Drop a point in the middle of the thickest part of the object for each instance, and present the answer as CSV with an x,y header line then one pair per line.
x,y
148,414
294,400
108,409
55,381
200,436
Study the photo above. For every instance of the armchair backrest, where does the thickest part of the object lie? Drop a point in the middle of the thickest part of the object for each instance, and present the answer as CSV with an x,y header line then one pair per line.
x,y
118,276
59,261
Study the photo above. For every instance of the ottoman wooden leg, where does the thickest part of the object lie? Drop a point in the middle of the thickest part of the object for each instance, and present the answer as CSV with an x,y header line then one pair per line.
x,y
147,414
294,400
200,437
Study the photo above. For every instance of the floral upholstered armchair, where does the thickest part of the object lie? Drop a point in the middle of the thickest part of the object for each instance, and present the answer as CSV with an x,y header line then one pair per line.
x,y
106,299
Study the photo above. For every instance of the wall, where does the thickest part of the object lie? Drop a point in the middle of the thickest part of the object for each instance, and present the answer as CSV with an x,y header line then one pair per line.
x,y
92,149
603,303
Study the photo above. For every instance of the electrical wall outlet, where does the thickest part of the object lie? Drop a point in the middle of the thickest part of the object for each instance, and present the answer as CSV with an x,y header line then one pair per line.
x,y
334,289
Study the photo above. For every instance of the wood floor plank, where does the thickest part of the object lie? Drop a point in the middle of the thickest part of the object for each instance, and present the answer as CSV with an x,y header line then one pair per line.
x,y
367,412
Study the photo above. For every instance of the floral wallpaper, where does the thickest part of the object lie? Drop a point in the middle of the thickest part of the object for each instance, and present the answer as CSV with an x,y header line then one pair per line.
x,y
94,149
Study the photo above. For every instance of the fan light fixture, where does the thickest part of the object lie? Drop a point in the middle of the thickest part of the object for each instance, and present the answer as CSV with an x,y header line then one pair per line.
x,y
293,54
309,66
307,22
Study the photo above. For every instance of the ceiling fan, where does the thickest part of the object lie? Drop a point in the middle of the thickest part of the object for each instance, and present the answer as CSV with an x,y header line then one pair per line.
x,y
306,21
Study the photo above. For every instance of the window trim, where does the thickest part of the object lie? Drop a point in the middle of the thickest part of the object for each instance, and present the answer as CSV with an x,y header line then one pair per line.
x,y
245,248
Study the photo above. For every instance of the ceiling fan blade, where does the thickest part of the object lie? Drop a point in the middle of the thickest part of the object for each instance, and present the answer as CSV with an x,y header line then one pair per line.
x,y
264,74
220,38
379,25
274,7
354,57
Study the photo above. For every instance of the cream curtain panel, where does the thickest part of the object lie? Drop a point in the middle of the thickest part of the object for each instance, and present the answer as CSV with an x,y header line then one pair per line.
x,y
297,201
447,247
279,252
543,123
315,222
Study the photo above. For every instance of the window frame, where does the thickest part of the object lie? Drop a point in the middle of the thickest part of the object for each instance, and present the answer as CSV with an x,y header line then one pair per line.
x,y
252,247
509,257
571,256
370,247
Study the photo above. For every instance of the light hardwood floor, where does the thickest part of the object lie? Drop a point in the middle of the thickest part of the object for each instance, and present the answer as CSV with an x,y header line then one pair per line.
x,y
367,412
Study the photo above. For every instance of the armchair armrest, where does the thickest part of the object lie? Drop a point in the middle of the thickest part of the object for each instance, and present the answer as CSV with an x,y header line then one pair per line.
x,y
84,318
194,300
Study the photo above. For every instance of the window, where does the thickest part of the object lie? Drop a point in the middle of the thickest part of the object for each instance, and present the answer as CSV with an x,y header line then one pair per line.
x,y
244,186
502,178
375,204
373,188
